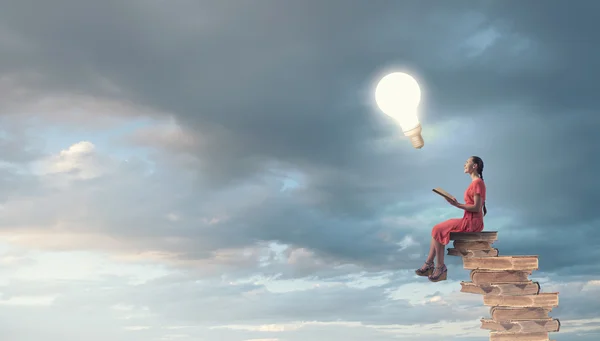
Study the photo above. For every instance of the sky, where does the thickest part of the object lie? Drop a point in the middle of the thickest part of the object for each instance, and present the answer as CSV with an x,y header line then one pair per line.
x,y
219,170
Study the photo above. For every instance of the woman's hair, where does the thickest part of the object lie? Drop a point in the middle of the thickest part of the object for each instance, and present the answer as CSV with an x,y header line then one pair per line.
x,y
479,162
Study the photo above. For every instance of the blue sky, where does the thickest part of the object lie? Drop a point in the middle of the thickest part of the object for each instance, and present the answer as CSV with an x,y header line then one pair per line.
x,y
203,170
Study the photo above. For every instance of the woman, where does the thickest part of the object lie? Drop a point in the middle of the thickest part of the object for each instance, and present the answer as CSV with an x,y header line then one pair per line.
x,y
472,221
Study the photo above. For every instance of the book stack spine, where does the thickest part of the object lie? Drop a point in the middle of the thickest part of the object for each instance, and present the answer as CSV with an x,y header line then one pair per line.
x,y
518,310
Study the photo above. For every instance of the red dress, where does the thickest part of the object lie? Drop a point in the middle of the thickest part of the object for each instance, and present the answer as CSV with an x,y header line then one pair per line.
x,y
470,222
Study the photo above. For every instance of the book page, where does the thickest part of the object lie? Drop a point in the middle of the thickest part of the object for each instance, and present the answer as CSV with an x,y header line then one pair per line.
x,y
443,193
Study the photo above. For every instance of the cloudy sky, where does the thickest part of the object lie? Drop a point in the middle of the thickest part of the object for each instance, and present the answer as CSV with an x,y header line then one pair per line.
x,y
218,170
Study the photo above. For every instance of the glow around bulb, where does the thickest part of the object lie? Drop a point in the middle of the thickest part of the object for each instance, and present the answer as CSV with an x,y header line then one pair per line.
x,y
398,95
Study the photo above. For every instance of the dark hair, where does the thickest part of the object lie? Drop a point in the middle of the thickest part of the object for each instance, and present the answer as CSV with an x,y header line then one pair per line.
x,y
479,162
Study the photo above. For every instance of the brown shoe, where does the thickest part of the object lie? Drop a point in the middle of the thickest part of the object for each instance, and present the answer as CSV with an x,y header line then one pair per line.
x,y
425,270
440,274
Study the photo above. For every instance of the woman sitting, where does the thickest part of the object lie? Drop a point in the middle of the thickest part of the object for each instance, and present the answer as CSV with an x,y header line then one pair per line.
x,y
472,221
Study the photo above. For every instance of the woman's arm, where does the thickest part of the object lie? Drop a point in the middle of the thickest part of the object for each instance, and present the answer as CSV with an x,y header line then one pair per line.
x,y
472,208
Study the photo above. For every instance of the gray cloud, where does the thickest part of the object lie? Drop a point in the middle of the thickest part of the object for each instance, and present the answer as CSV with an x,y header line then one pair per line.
x,y
268,90
271,92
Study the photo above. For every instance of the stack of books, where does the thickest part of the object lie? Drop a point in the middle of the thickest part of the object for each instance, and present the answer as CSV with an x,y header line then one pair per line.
x,y
518,311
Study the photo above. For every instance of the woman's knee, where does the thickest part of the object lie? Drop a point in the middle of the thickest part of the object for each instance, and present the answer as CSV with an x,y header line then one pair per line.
x,y
436,228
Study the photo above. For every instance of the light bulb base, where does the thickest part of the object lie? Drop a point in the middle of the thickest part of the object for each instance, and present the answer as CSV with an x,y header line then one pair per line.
x,y
415,137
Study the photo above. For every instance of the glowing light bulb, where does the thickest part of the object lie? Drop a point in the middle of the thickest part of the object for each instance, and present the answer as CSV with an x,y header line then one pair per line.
x,y
398,95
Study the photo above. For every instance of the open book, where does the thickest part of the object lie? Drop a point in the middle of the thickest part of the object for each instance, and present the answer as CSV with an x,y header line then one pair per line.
x,y
443,193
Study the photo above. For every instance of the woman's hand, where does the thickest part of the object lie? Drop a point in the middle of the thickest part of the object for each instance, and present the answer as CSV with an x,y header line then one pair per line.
x,y
452,201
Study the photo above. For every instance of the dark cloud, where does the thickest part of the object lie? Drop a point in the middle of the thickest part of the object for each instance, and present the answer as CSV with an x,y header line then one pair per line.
x,y
267,90
262,92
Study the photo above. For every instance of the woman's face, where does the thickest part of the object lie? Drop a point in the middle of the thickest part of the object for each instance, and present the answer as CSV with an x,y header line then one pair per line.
x,y
469,166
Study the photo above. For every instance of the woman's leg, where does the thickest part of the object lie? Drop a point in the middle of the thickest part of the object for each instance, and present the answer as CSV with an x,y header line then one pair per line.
x,y
439,272
432,251
440,237
427,268
431,255
439,251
